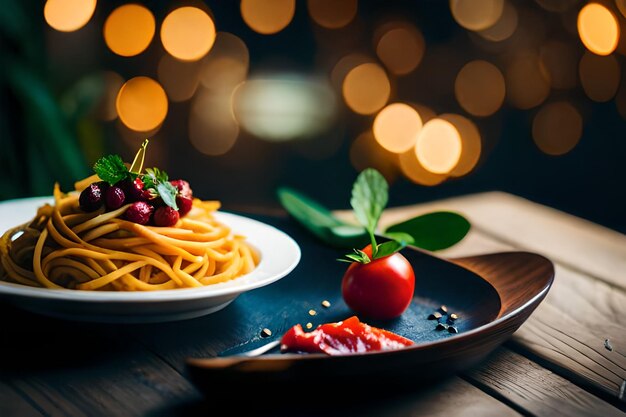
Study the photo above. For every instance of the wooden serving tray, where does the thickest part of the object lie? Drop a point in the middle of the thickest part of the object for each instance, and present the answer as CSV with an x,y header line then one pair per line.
x,y
493,294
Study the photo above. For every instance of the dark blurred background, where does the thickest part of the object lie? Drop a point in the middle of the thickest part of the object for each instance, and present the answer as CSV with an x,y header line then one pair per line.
x,y
445,98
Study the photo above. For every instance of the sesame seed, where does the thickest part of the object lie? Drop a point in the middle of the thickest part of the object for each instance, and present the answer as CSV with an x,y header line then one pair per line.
x,y
443,309
309,325
266,332
434,316
312,312
326,303
441,326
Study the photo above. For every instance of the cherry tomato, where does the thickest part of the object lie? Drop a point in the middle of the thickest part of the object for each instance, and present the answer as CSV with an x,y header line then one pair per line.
x,y
380,289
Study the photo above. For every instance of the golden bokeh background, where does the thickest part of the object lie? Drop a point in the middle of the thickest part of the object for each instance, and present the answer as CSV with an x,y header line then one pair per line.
x,y
444,98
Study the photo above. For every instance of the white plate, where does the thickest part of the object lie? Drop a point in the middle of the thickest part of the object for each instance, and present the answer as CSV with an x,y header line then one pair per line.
x,y
279,256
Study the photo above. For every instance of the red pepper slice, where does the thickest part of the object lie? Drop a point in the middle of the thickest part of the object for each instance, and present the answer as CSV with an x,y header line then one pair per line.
x,y
343,337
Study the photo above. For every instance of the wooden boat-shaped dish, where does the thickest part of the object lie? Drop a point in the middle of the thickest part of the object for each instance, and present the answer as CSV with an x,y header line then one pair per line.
x,y
493,294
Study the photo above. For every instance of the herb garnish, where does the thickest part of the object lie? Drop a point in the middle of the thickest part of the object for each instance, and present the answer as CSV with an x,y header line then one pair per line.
x,y
370,194
432,231
157,182
111,168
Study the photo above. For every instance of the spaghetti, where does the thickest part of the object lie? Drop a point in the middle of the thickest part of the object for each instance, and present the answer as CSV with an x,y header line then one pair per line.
x,y
66,247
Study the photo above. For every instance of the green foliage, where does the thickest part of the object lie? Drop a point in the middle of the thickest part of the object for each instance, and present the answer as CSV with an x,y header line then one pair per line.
x,y
111,169
432,231
38,128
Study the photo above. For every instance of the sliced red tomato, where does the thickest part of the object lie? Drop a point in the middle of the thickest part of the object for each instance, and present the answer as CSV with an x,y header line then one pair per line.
x,y
348,336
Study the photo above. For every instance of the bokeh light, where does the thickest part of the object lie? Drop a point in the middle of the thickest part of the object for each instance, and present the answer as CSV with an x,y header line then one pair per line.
x,y
227,64
557,128
599,76
366,88
476,14
332,14
284,107
412,169
396,127
267,16
598,29
213,129
425,112
345,65
504,27
438,146
141,104
471,143
180,79
480,88
188,33
129,29
560,59
527,82
366,152
401,48
68,15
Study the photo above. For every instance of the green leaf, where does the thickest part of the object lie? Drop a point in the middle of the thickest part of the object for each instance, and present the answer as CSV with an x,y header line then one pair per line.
x,y
154,177
304,208
111,169
168,192
370,194
433,231
389,248
320,221
401,237
45,125
358,256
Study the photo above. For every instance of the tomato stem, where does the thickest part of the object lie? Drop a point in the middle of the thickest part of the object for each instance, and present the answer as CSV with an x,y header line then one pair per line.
x,y
374,245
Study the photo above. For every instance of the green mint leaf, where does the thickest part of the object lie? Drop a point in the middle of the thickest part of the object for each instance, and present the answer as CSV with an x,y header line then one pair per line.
x,y
318,220
400,237
370,194
168,192
154,177
111,169
389,248
433,231
149,180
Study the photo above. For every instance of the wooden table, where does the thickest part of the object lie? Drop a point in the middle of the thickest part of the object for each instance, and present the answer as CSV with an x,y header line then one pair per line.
x,y
568,359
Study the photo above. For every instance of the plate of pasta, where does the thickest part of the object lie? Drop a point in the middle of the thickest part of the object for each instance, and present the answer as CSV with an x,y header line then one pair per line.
x,y
133,248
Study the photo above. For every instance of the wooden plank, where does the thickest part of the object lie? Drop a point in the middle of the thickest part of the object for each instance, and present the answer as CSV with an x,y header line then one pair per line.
x,y
129,386
453,397
69,368
522,382
578,351
13,404
574,242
